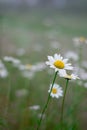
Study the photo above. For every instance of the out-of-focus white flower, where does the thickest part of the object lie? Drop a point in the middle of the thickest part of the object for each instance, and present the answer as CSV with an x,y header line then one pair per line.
x,y
3,70
3,73
25,67
16,62
13,60
83,75
40,114
68,76
79,40
85,85
21,92
58,63
8,58
21,67
71,55
34,107
38,67
56,91
20,52
82,39
29,70
28,67
28,74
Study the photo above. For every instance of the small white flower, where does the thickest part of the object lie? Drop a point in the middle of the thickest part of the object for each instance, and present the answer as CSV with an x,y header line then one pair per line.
x,y
35,107
71,55
38,67
8,58
40,114
21,67
85,85
58,63
3,73
14,61
3,70
28,74
79,40
68,76
56,91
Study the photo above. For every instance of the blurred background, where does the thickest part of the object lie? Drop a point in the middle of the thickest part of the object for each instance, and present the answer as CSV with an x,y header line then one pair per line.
x,y
30,30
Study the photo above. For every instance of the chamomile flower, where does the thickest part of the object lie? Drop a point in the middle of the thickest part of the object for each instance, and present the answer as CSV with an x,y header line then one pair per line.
x,y
79,40
68,76
3,70
3,73
72,55
85,85
14,61
82,39
56,91
58,63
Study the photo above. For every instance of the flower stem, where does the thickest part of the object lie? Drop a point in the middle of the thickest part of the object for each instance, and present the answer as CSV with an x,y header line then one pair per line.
x,y
46,102
62,110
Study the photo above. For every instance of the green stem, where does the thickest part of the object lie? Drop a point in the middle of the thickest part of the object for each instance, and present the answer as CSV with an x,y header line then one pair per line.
x,y
62,110
46,102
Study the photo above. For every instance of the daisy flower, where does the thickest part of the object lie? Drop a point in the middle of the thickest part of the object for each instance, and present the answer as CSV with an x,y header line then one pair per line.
x,y
79,40
3,70
68,76
58,63
82,39
56,91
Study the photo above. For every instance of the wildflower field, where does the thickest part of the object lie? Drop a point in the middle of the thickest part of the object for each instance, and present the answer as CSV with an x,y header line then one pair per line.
x,y
43,71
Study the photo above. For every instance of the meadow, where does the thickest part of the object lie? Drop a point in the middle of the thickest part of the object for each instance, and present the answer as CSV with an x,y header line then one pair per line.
x,y
26,41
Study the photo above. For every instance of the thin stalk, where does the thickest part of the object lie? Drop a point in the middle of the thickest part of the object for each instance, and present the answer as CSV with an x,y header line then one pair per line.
x,y
48,99
62,110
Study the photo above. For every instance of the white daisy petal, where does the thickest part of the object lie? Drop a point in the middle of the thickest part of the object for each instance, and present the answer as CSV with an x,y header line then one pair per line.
x,y
65,60
56,56
68,76
50,58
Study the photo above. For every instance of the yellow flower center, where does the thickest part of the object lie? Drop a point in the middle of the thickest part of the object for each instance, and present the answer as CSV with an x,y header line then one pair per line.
x,y
59,64
82,39
54,90
28,66
68,76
